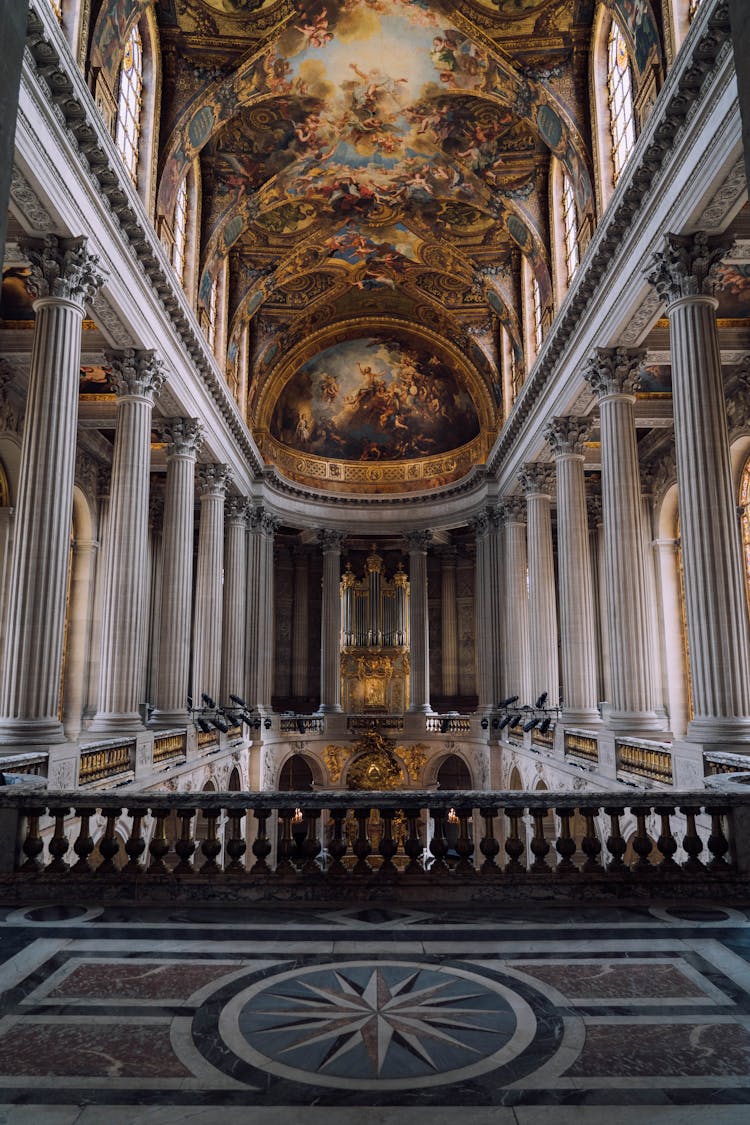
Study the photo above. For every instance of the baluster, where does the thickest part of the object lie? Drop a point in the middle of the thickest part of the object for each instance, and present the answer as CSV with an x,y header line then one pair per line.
x,y
489,846
59,844
284,866
211,846
666,842
439,842
311,844
691,842
109,845
84,844
539,845
718,845
337,846
236,844
185,845
135,845
590,844
361,847
413,843
513,844
616,845
565,845
158,848
33,844
388,846
642,844
261,846
464,844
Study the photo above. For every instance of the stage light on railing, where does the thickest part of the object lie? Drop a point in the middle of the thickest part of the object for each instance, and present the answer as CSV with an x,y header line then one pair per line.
x,y
545,725
204,726
207,700
508,702
515,721
530,724
220,723
541,700
238,700
506,719
484,723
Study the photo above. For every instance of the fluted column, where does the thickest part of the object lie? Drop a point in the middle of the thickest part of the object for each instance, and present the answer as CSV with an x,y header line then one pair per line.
x,y
137,377
207,622
235,595
268,526
330,626
715,605
259,648
566,437
183,437
82,567
485,651
419,657
300,625
65,276
613,375
449,621
537,480
516,663
599,579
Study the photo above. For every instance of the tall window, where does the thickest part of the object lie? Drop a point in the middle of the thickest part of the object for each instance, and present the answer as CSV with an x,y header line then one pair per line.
x,y
536,303
180,230
570,227
213,304
130,101
745,509
620,99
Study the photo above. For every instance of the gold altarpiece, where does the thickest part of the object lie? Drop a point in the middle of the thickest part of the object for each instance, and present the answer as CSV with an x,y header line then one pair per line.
x,y
374,639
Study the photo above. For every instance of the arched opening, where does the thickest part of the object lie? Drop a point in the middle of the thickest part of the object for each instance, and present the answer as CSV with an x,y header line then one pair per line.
x,y
613,103
454,774
296,775
235,781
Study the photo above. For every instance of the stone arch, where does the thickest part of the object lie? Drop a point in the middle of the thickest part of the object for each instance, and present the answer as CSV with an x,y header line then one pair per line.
x,y
299,770
452,763
234,785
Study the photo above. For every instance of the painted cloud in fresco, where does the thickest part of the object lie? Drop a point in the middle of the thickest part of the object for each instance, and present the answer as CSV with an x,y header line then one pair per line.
x,y
371,399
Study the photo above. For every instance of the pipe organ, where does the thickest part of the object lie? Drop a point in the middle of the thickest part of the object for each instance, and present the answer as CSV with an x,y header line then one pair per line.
x,y
374,639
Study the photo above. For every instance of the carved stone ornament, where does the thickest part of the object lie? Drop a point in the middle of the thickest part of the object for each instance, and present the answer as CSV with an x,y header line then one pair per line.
x,y
614,371
514,509
269,524
595,508
418,540
415,759
480,524
685,266
537,478
62,267
212,479
182,435
86,473
567,434
235,509
110,323
330,541
136,372
28,203
334,758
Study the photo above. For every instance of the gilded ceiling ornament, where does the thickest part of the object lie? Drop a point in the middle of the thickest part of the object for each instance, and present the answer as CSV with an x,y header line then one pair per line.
x,y
414,758
334,758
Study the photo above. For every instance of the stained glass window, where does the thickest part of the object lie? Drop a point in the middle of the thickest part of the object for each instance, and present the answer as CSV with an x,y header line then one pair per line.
x,y
129,103
180,230
620,99
570,227
536,299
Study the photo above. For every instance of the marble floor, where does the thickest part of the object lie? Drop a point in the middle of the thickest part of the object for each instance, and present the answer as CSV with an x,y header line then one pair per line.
x,y
282,1014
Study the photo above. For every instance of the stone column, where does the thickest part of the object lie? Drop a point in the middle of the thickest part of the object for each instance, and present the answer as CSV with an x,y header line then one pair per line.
x,y
599,578
235,596
268,526
300,623
715,605
65,276
577,620
668,553
516,663
613,374
449,621
537,480
137,377
419,644
183,437
330,630
486,652
95,632
6,541
151,639
82,568
207,619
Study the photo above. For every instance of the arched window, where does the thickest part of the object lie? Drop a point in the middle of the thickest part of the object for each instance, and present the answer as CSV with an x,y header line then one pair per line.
x,y
179,245
570,227
212,313
620,99
745,508
536,301
130,102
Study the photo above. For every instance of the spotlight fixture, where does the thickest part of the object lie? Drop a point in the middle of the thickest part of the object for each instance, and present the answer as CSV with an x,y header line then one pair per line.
x,y
204,726
530,724
250,720
267,724
484,724
515,721
238,700
545,725
506,719
220,723
508,702
541,700
208,701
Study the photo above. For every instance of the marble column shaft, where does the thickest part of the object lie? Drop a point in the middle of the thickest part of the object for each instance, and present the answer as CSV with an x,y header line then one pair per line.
x,y
330,629
566,437
300,623
419,644
613,375
207,623
65,276
538,481
449,621
235,595
516,665
183,436
715,602
268,528
81,590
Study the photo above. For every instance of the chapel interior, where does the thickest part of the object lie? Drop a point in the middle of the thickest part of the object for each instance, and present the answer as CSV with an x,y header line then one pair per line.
x,y
375,431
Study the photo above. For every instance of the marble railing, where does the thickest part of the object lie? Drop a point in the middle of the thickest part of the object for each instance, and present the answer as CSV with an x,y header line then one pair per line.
x,y
693,842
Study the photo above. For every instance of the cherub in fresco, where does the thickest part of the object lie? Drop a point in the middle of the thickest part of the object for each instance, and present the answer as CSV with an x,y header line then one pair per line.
x,y
277,75
329,388
316,33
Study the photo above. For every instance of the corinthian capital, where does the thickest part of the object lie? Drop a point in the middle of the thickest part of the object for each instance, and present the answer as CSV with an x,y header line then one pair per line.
x,y
418,540
235,509
212,480
136,372
330,541
686,265
63,267
567,434
537,477
183,436
614,371
514,509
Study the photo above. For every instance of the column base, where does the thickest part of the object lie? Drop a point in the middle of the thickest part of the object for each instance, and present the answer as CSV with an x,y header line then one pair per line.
x,y
330,709
420,709
114,724
720,733
32,732
580,717
635,722
161,720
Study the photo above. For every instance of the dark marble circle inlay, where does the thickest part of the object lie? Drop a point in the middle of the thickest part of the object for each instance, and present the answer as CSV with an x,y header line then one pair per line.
x,y
55,913
698,913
